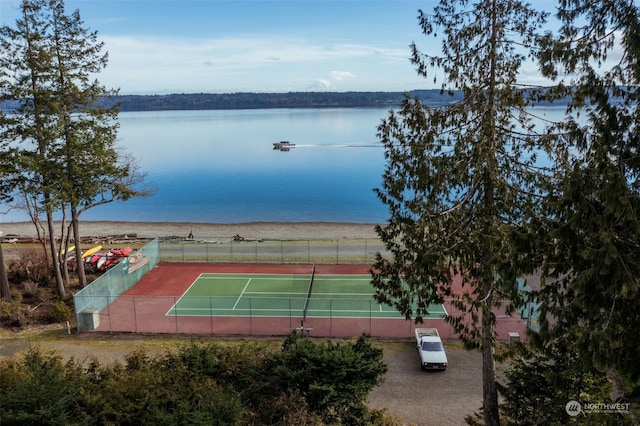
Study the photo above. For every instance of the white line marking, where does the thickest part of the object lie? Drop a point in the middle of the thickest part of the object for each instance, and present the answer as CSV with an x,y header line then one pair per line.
x,y
240,297
173,308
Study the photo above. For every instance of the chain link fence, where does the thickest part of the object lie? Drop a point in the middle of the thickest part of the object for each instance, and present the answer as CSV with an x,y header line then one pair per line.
x,y
338,251
159,314
98,295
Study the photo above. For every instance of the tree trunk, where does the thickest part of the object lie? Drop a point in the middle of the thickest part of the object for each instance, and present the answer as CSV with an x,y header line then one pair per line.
x,y
82,278
489,389
62,256
62,293
5,291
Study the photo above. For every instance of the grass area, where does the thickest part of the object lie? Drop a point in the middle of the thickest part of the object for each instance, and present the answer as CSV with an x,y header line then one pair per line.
x,y
105,348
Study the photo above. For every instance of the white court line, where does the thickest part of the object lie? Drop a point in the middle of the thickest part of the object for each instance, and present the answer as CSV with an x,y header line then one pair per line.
x,y
444,314
183,294
240,297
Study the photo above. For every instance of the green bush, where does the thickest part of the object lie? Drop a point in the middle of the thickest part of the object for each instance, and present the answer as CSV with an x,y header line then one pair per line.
x,y
41,389
335,378
59,312
247,383
160,390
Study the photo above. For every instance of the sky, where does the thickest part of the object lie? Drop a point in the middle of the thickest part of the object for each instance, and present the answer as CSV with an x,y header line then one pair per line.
x,y
226,46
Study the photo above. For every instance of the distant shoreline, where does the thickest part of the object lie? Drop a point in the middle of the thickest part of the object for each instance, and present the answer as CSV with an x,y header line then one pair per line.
x,y
298,100
259,100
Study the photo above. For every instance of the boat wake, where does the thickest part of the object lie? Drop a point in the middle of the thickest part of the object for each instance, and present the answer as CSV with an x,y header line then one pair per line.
x,y
336,145
286,145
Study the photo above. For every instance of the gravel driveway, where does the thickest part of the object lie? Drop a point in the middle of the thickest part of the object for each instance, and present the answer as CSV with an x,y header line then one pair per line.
x,y
429,397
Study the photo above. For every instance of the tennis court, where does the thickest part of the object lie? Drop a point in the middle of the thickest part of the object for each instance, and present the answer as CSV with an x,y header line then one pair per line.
x,y
314,296
262,300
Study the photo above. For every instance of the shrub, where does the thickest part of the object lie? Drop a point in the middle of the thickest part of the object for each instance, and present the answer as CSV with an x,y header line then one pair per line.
x,y
13,311
161,390
59,312
41,389
200,384
334,377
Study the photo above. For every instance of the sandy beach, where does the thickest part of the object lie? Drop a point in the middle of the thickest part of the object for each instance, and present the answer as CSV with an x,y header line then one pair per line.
x,y
250,230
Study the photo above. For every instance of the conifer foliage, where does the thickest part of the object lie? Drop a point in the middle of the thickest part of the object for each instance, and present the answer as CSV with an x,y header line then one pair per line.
x,y
591,271
61,135
238,383
460,179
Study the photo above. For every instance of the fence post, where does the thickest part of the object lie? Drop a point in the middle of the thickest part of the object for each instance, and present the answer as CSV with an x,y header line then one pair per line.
x,y
211,311
109,312
330,317
135,315
175,312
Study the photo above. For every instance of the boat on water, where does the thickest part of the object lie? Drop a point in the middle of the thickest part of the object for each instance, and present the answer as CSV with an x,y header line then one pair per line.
x,y
283,145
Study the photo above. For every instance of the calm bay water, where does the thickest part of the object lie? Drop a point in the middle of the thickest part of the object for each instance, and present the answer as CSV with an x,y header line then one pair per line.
x,y
220,166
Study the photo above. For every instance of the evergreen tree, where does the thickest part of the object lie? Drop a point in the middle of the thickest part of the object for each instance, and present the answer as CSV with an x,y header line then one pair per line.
x,y
461,179
66,135
27,65
591,273
541,383
88,130
335,378
6,188
5,290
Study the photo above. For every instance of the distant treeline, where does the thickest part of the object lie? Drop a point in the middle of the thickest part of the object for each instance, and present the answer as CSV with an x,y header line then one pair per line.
x,y
201,101
204,101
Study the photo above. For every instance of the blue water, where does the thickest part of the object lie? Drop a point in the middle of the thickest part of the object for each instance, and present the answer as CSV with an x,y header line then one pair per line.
x,y
220,166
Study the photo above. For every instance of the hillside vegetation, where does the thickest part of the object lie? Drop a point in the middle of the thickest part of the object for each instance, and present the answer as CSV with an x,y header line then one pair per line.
x,y
248,383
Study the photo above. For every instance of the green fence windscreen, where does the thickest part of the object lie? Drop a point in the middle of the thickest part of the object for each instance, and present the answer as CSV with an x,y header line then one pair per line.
x,y
118,279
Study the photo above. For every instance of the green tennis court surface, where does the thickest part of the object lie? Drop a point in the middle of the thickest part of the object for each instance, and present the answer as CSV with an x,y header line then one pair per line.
x,y
285,295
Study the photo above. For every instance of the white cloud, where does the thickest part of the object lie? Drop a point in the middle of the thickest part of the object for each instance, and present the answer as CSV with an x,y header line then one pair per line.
x,y
322,84
341,75
148,64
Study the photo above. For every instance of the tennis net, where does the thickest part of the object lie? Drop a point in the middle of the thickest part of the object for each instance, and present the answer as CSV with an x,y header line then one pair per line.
x,y
306,302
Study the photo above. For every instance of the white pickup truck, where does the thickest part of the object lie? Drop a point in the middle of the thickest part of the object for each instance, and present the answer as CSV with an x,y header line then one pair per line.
x,y
429,345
